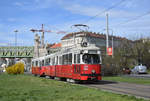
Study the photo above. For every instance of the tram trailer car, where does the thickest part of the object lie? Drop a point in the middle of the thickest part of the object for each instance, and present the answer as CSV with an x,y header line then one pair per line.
x,y
82,65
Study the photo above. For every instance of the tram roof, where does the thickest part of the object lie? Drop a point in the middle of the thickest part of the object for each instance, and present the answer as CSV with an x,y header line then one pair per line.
x,y
66,51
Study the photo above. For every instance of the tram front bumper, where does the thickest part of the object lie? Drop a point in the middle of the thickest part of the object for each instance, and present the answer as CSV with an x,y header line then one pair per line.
x,y
92,76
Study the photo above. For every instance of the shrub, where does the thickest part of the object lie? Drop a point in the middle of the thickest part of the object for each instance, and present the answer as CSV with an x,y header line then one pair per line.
x,y
111,66
18,68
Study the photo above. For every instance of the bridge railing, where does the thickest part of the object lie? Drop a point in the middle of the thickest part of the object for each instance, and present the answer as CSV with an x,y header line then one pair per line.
x,y
18,52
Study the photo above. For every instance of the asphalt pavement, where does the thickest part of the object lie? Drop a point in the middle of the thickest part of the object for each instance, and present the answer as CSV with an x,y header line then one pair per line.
x,y
139,75
142,91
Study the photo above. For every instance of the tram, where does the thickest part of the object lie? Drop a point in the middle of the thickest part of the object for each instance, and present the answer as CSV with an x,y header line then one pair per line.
x,y
70,64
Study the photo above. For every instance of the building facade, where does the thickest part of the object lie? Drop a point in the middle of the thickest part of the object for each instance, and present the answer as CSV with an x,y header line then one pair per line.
x,y
76,40
39,47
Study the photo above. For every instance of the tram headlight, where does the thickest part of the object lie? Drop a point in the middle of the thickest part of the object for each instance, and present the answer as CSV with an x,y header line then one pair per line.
x,y
85,67
93,71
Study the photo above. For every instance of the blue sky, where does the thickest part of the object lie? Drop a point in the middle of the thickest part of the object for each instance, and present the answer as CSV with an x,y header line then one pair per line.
x,y
60,15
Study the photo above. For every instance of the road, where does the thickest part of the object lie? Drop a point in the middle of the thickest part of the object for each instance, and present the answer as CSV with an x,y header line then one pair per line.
x,y
139,75
142,91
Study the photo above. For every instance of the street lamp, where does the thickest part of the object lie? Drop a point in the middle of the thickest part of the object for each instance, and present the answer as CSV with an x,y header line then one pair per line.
x,y
15,43
16,37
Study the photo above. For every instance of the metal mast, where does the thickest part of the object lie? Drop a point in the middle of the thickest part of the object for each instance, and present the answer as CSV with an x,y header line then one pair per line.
x,y
107,34
42,43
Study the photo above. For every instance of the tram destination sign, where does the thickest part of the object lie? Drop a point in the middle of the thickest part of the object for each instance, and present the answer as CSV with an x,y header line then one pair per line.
x,y
92,51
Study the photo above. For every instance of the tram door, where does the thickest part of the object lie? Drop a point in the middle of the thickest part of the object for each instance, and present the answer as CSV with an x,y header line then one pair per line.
x,y
77,67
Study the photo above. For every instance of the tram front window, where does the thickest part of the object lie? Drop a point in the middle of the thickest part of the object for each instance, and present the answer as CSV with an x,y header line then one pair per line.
x,y
91,58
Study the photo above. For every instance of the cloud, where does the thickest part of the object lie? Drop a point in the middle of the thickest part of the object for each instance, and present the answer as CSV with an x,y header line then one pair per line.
x,y
35,4
11,19
93,11
18,4
80,11
121,14
134,29
130,4
83,10
9,39
24,36
140,22
22,4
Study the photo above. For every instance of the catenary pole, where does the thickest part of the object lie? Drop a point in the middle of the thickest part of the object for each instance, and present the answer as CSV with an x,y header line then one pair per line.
x,y
107,34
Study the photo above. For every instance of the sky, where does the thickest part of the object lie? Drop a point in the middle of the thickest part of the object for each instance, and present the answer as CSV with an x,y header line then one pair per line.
x,y
127,18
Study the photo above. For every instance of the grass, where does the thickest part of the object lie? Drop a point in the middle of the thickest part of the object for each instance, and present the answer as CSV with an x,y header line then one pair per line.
x,y
148,71
29,88
128,79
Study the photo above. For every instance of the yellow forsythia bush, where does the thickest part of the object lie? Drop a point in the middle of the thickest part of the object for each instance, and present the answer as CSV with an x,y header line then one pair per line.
x,y
18,68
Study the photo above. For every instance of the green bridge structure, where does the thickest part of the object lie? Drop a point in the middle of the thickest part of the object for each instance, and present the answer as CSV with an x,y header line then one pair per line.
x,y
16,52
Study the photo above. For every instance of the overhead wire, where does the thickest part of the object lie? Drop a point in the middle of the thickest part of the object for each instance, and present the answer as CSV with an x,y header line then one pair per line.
x,y
104,11
114,6
133,19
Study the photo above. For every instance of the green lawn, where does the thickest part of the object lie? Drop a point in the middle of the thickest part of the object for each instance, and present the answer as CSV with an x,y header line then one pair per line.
x,y
128,79
29,88
148,71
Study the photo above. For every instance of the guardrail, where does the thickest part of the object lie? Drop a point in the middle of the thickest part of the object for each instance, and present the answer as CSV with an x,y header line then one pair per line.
x,y
16,52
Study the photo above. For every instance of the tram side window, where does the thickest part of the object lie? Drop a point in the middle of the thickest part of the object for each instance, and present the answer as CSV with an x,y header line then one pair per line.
x,y
75,58
60,60
53,61
47,62
65,59
36,63
70,58
57,60
42,62
32,63
78,58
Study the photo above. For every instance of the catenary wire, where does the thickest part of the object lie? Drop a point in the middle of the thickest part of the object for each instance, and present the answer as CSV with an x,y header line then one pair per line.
x,y
104,11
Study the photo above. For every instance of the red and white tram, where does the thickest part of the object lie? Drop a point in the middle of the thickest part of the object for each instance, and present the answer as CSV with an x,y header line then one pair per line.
x,y
77,65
